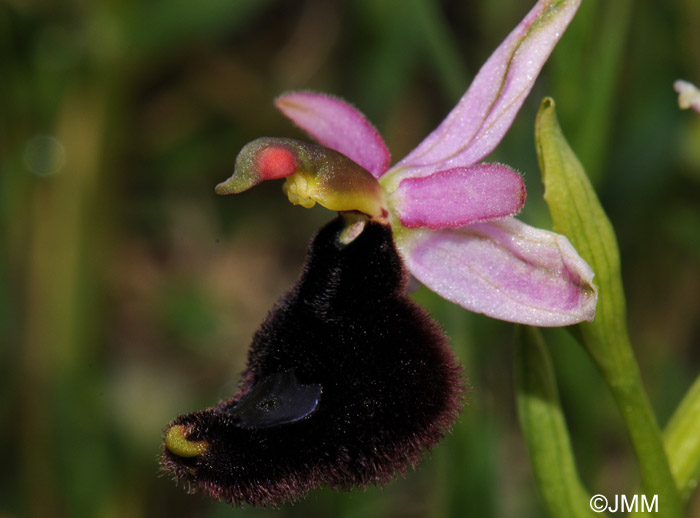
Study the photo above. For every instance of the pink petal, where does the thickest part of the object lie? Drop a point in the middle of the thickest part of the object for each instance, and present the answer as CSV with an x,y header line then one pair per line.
x,y
483,115
504,269
458,197
339,126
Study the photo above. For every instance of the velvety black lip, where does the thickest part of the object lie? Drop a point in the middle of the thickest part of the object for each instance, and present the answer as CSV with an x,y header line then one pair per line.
x,y
390,386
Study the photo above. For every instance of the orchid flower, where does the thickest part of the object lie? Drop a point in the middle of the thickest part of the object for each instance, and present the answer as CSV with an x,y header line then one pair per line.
x,y
688,95
349,381
452,216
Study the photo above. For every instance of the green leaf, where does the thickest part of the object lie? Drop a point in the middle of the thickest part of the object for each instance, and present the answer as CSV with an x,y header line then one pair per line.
x,y
577,213
544,428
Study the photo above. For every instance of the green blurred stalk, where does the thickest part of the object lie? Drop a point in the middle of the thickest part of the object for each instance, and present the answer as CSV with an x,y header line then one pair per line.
x,y
591,54
428,21
51,354
544,427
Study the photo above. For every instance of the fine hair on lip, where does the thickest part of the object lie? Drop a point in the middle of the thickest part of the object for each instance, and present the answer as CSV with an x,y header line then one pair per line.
x,y
363,383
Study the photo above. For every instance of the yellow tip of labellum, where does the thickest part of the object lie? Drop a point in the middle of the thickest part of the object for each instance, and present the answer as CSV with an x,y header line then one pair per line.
x,y
179,445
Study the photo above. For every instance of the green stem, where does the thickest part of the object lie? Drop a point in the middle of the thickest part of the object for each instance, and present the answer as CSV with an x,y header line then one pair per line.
x,y
614,357
607,341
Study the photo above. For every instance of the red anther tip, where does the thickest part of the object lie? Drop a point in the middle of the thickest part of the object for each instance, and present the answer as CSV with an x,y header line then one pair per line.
x,y
276,162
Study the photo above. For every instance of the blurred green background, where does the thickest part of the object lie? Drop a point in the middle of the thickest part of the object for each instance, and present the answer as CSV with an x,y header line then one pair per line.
x,y
129,291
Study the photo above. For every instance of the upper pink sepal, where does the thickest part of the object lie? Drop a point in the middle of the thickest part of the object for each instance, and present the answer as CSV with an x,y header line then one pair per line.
x,y
458,197
339,126
504,269
483,115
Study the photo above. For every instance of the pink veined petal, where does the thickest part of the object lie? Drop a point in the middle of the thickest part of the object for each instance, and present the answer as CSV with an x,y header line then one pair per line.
x,y
458,197
339,126
482,117
504,269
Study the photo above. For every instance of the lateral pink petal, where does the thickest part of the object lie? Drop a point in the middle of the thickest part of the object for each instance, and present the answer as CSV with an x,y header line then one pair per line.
x,y
339,126
460,196
504,269
482,117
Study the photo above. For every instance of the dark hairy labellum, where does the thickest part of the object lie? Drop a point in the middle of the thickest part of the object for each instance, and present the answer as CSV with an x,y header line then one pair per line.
x,y
348,383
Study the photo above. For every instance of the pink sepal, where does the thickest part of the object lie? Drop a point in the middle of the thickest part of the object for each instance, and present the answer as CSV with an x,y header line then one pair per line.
x,y
504,269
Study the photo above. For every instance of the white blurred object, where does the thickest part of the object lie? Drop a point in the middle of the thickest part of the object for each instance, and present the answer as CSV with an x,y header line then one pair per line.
x,y
688,95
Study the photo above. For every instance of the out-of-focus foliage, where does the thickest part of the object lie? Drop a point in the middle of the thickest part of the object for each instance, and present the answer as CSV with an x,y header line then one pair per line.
x,y
129,291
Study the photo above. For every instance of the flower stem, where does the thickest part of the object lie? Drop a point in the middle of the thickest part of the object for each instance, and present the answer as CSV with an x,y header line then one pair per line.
x,y
613,355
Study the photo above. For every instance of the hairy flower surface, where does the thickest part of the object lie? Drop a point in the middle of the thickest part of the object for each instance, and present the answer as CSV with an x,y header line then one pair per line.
x,y
452,216
348,383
